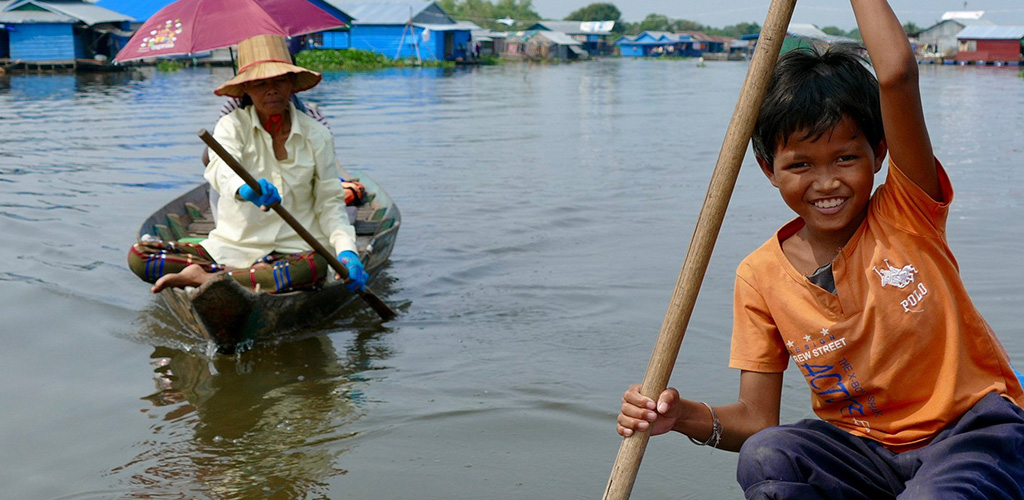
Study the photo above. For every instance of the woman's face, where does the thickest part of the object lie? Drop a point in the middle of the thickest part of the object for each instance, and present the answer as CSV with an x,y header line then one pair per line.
x,y
271,95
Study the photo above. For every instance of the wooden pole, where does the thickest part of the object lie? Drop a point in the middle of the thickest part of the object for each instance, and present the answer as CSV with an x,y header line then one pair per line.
x,y
631,452
383,310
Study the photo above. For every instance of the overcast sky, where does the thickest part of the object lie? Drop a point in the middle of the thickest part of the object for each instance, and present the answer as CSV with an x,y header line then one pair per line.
x,y
720,13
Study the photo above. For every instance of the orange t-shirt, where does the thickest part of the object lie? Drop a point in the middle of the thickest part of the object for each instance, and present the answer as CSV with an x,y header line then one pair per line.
x,y
900,351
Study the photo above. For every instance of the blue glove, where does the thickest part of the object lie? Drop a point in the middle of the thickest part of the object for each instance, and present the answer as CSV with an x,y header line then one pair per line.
x,y
356,273
269,196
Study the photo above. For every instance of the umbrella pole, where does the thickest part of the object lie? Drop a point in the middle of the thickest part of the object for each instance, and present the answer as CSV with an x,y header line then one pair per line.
x,y
231,50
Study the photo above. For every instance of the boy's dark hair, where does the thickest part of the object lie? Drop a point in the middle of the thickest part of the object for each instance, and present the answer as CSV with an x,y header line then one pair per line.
x,y
812,90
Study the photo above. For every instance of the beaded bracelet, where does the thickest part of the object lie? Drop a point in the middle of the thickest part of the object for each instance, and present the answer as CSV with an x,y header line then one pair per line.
x,y
716,429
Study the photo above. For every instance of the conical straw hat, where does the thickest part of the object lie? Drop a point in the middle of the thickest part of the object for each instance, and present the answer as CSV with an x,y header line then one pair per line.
x,y
262,57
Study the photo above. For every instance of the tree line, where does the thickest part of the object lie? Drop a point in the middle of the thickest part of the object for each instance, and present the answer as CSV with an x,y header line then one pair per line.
x,y
489,15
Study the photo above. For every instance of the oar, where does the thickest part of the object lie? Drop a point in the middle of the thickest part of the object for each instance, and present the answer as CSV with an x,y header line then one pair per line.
x,y
383,310
631,452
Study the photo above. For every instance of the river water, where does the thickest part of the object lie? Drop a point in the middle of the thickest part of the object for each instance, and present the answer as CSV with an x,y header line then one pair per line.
x,y
547,211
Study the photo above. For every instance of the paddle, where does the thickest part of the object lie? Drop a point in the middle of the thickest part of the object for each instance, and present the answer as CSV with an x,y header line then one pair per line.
x,y
383,310
620,484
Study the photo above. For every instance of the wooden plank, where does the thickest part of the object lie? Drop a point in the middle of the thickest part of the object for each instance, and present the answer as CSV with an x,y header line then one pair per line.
x,y
164,232
200,228
366,227
177,223
194,211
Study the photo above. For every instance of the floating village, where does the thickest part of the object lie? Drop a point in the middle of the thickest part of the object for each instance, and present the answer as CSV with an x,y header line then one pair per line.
x,y
76,35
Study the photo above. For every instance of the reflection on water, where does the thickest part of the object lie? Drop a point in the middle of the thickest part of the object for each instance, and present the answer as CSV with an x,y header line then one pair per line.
x,y
61,86
268,422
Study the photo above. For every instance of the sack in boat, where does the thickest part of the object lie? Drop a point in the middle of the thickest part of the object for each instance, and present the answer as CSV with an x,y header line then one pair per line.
x,y
355,193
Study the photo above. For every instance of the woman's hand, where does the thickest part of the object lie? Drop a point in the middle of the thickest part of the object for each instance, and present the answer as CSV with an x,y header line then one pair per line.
x,y
267,197
356,273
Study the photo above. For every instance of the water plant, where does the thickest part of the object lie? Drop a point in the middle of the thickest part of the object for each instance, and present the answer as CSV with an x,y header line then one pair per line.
x,y
169,65
356,60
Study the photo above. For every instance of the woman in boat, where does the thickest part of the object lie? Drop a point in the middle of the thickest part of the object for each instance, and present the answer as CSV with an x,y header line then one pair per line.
x,y
293,155
355,191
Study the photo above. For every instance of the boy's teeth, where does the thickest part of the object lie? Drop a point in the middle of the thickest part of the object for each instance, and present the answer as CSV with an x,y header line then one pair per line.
x,y
834,202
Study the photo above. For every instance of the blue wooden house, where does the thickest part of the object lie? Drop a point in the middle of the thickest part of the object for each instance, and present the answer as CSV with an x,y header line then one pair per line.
x,y
420,30
138,10
655,44
705,44
60,32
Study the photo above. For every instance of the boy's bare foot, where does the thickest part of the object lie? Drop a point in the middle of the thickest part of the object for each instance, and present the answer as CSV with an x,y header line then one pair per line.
x,y
193,275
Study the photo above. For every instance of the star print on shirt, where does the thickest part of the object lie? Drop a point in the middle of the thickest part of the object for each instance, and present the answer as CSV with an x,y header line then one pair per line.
x,y
807,338
789,344
824,332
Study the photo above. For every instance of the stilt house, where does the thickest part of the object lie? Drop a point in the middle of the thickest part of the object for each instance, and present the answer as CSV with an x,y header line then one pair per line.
x,y
421,30
594,36
938,42
59,32
996,45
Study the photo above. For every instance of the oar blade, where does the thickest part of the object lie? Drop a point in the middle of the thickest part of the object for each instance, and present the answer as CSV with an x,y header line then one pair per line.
x,y
383,310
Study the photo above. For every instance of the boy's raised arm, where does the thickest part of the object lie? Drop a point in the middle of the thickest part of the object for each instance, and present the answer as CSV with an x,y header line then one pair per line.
x,y
896,68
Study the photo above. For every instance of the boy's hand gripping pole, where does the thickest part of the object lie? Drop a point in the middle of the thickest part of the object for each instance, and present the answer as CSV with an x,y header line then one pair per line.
x,y
383,310
766,53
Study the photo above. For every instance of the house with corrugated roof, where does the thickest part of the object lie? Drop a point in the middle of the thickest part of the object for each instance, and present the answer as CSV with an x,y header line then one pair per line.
x,y
594,36
655,44
999,45
938,41
492,43
706,45
59,33
541,44
419,30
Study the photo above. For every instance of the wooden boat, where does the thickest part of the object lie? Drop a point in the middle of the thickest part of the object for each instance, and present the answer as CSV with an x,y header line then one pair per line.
x,y
232,316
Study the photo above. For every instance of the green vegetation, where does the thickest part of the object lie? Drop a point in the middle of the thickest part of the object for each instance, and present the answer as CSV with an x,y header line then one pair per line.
x,y
654,22
487,60
598,12
912,29
486,14
169,65
658,22
357,60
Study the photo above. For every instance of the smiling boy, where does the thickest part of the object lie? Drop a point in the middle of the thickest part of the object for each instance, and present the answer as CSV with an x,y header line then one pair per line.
x,y
915,396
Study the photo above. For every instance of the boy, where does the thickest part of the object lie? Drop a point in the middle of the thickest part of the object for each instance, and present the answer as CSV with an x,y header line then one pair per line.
x,y
916,396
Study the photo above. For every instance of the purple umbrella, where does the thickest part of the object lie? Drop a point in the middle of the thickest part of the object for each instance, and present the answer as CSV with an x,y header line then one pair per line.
x,y
189,26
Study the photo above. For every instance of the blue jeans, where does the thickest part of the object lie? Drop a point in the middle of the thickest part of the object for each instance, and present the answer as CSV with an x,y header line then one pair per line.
x,y
981,456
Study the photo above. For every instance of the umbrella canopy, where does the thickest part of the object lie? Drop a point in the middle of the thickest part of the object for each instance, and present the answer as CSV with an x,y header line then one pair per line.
x,y
189,26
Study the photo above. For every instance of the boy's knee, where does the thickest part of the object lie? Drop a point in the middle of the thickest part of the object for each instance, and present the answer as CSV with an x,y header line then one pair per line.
x,y
765,456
